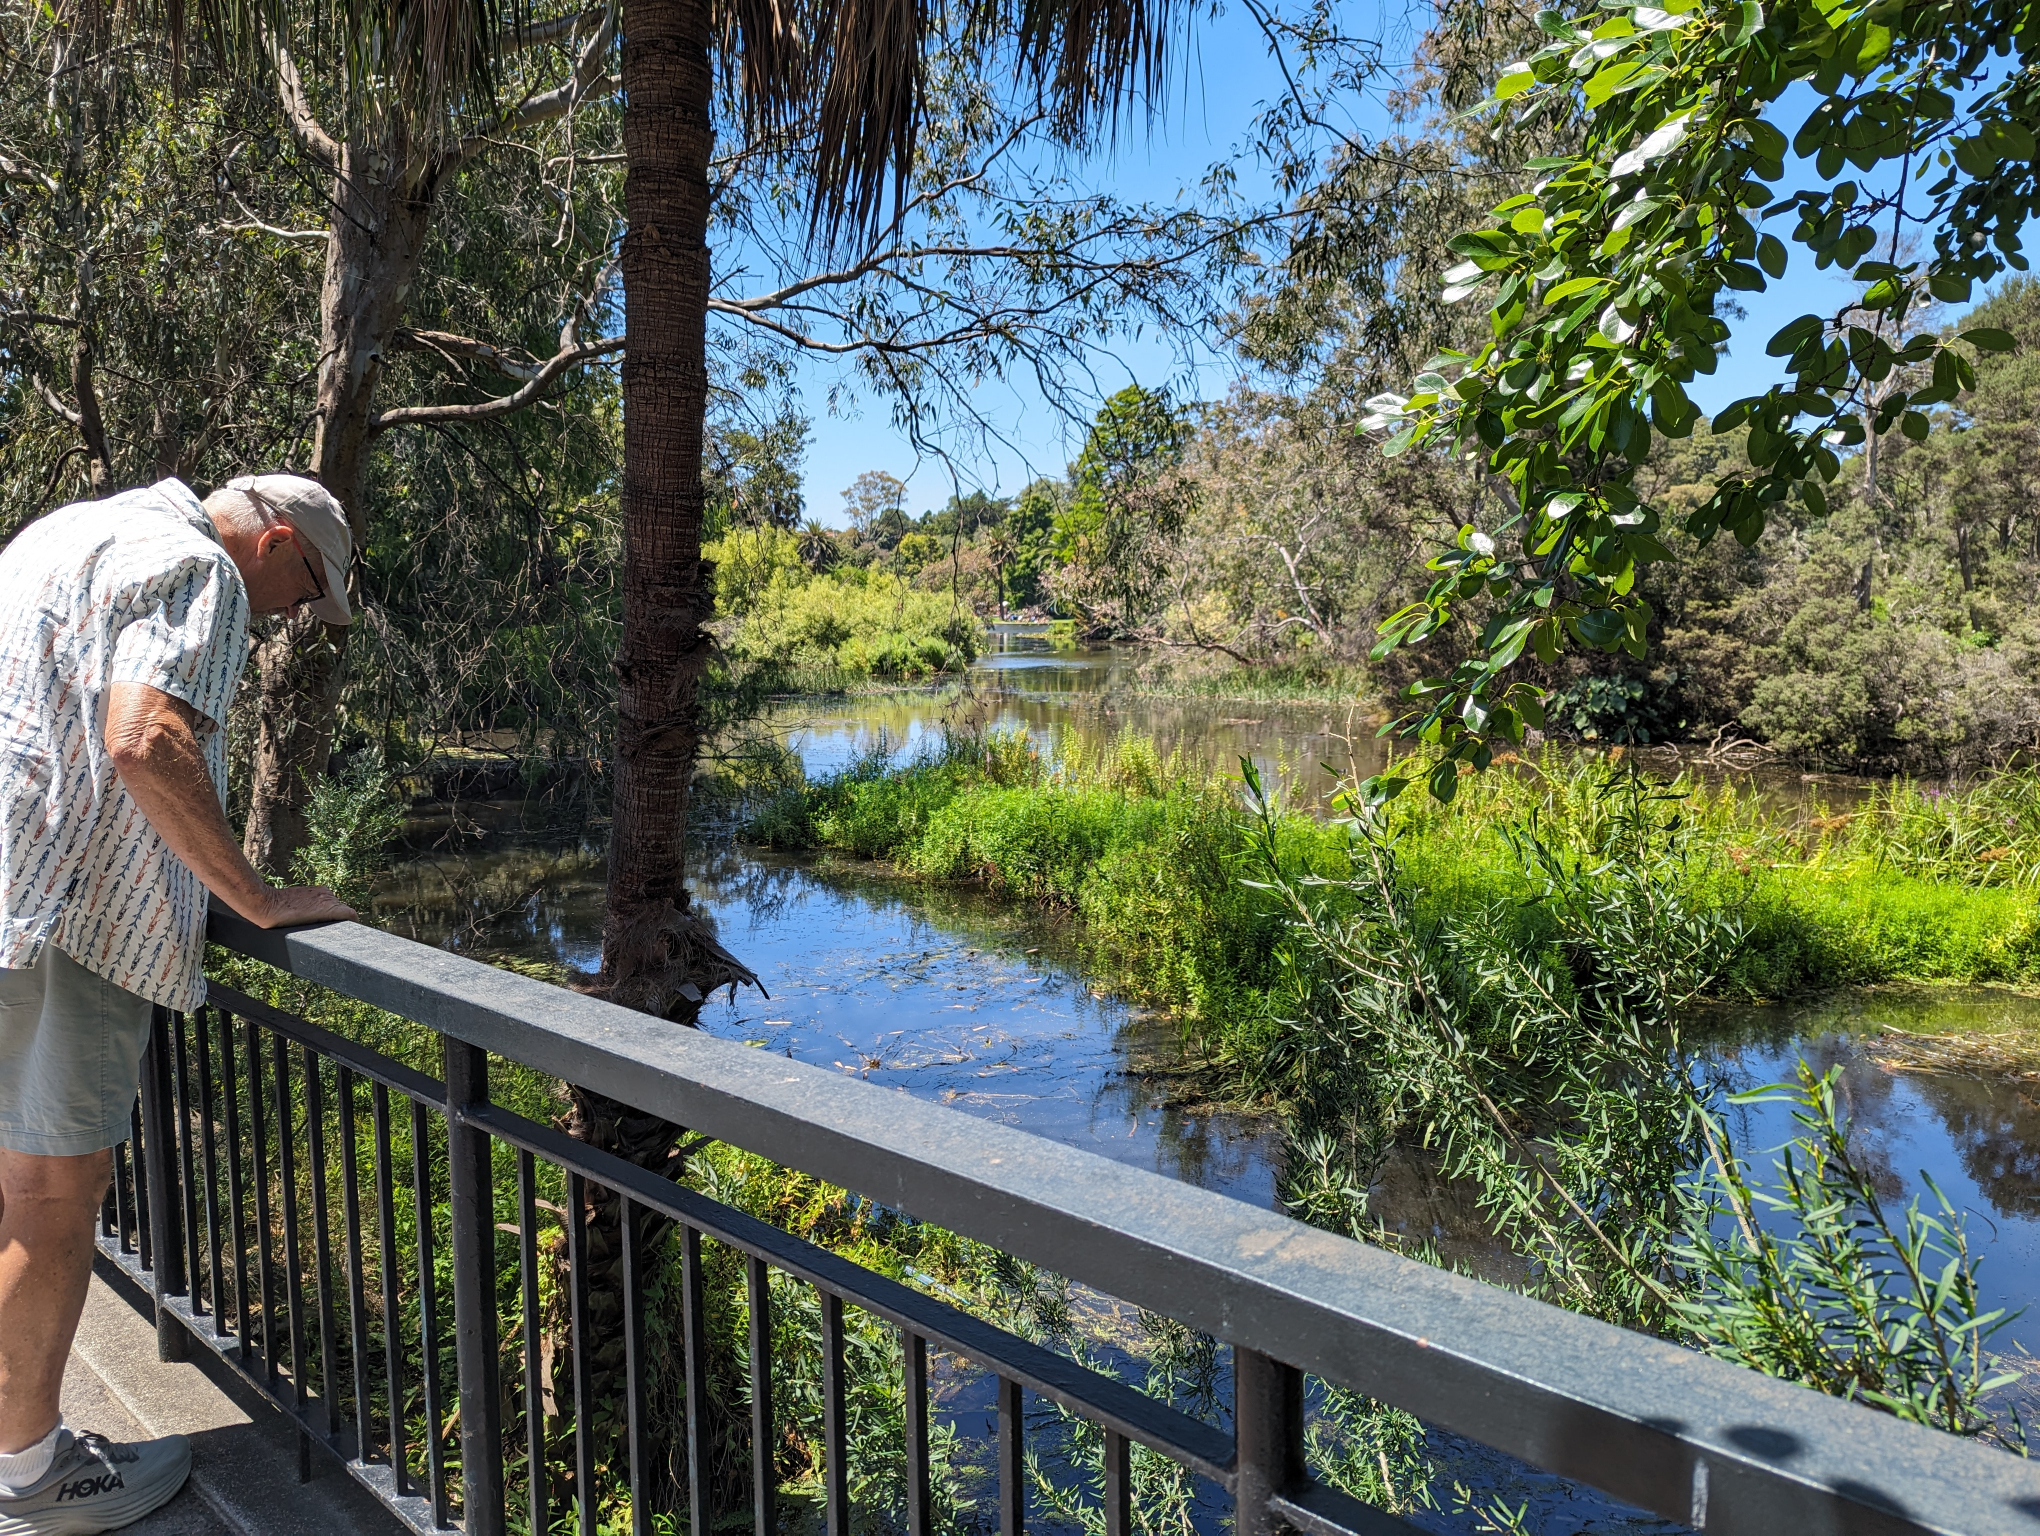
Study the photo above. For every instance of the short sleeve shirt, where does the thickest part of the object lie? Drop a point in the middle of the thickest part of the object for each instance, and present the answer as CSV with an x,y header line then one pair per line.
x,y
136,588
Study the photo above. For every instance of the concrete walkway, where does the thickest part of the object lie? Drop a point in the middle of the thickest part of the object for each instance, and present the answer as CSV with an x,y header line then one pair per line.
x,y
243,1452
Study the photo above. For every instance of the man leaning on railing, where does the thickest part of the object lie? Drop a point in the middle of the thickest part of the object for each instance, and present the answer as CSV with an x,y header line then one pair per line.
x,y
123,633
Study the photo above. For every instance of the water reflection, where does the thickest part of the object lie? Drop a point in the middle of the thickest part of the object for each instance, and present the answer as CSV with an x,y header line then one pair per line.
x,y
1088,697
948,995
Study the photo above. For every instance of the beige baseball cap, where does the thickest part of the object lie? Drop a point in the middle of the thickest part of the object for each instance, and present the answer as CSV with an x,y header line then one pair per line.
x,y
320,520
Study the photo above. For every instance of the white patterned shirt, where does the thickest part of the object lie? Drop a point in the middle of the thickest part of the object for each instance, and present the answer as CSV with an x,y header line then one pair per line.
x,y
136,588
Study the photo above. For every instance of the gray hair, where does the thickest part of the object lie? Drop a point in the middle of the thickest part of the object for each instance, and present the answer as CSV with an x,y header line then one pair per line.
x,y
239,512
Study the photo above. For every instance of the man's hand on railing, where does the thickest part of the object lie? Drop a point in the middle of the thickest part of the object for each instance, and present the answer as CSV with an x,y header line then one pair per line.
x,y
294,904
153,740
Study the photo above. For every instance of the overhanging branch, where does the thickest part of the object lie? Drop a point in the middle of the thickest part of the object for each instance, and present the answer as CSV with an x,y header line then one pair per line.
x,y
485,410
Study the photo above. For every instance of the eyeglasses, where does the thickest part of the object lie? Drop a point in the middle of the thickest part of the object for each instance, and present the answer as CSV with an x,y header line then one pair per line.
x,y
263,502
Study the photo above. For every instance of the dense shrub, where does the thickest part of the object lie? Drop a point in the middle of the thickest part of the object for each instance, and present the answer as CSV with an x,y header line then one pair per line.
x,y
773,610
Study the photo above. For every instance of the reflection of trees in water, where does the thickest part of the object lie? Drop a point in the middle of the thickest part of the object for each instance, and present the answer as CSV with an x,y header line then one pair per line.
x,y
767,884
1196,1141
1090,698
1995,1130
535,900
1992,1128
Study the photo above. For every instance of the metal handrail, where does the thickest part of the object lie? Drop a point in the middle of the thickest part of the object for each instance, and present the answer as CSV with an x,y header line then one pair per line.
x,y
1690,1438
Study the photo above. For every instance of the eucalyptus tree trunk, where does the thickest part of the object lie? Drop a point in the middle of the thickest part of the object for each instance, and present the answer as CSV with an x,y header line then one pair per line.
x,y
381,215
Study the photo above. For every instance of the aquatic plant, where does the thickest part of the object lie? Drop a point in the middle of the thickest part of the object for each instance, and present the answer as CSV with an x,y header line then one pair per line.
x,y
1811,1279
1564,1096
1546,1073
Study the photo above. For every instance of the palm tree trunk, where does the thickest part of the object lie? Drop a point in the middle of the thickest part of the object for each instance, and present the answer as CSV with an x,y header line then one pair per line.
x,y
653,952
658,954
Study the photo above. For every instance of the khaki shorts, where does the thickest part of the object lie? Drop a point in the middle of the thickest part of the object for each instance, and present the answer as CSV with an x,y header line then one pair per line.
x,y
70,1057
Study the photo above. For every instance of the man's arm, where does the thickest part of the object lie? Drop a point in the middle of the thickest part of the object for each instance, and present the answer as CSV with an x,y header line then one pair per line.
x,y
155,749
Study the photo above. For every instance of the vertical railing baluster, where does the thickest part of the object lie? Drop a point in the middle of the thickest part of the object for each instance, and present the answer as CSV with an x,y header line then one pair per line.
x,y
215,1238
138,1189
258,1117
386,1236
109,1203
472,1188
1012,1461
322,1244
764,1436
293,1263
1268,1439
637,1411
537,1495
159,1157
194,1251
357,1282
237,1194
920,1520
584,1366
694,1334
1118,1485
835,1417
428,1309
123,1203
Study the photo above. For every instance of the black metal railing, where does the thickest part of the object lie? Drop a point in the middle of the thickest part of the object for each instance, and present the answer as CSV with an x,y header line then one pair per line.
x,y
229,1206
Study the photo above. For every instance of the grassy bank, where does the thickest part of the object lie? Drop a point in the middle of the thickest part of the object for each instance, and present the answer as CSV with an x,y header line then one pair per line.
x,y
1147,856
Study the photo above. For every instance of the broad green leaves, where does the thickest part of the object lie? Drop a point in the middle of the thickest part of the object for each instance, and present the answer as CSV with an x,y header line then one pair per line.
x,y
1605,285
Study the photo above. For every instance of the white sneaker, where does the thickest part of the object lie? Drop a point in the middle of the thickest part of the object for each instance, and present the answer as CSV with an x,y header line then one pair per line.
x,y
95,1485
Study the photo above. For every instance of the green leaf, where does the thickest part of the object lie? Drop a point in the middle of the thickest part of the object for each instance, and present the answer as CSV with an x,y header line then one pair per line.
x,y
1771,255
1788,338
1986,339
1915,426
1602,628
1516,79
1444,782
1875,45
1574,285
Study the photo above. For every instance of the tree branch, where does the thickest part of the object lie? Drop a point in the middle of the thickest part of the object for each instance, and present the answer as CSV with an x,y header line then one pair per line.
x,y
457,350
257,226
587,78
52,399
484,410
91,427
297,107
27,175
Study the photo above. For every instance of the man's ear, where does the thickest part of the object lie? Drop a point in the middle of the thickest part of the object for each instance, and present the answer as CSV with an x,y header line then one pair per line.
x,y
268,541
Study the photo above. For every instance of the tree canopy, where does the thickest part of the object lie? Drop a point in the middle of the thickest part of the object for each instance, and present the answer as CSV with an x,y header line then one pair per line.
x,y
1610,282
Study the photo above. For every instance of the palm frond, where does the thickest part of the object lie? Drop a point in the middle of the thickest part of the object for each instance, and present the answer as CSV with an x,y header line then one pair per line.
x,y
1084,58
426,67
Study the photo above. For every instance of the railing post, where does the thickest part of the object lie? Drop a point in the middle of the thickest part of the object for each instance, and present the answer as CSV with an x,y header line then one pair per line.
x,y
1268,1435
472,1183
159,1155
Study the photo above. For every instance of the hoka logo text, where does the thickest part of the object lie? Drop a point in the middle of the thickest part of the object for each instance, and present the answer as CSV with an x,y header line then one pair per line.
x,y
89,1487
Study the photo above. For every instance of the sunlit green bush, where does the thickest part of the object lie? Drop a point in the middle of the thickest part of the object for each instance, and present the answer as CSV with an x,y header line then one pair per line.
x,y
772,609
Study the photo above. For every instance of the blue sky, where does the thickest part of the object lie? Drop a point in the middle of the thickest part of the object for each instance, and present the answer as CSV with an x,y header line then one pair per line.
x,y
1223,80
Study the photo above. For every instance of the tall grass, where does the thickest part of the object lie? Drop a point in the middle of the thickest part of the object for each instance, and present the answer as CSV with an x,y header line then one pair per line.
x,y
1143,854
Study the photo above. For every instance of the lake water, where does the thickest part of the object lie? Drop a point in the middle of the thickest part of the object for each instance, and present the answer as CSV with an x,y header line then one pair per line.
x,y
948,995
